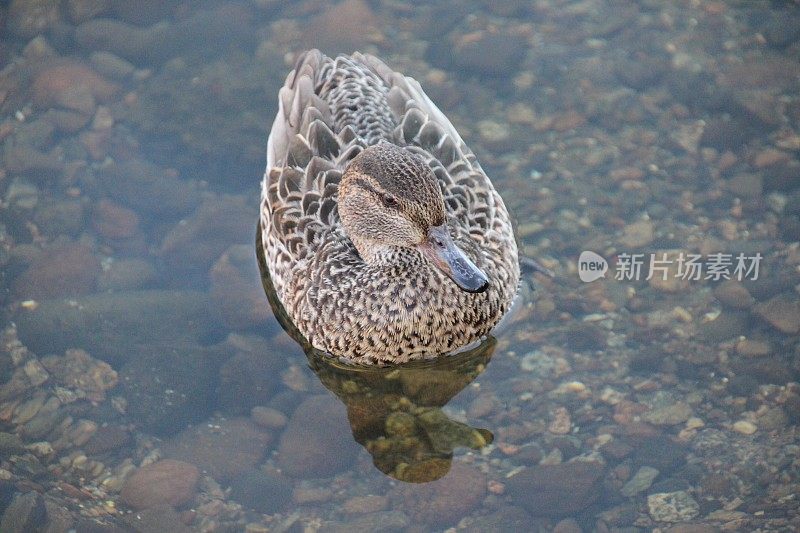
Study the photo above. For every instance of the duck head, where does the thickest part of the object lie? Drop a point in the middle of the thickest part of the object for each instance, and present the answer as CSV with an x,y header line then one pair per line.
x,y
388,198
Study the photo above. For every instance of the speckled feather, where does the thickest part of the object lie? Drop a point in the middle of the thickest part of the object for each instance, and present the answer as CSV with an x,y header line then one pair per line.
x,y
402,309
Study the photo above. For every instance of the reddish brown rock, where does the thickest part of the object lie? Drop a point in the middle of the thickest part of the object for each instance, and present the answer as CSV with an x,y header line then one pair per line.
x,y
114,221
236,289
71,85
444,502
223,448
166,481
69,270
782,312
733,294
345,26
28,18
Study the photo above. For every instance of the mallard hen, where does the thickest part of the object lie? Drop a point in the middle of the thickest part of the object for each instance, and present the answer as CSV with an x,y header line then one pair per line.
x,y
384,239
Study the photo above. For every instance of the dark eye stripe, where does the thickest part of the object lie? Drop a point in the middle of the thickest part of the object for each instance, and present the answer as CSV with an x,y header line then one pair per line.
x,y
364,185
387,199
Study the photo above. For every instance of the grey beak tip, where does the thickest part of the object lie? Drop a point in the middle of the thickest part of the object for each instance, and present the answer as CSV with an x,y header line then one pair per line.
x,y
479,289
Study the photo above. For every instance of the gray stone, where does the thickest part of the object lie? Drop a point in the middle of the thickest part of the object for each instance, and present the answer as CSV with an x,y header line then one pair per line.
x,y
640,481
507,518
380,522
157,520
216,224
168,387
265,492
669,415
26,513
556,490
112,66
676,506
248,379
491,53
317,441
10,444
660,452
145,187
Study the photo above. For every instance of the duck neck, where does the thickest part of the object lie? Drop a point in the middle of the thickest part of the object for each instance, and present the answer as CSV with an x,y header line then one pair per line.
x,y
375,254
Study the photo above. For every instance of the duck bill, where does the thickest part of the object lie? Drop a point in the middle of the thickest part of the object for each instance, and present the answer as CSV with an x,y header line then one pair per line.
x,y
440,250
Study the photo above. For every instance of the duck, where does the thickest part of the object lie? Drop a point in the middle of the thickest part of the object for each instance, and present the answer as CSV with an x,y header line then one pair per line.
x,y
384,239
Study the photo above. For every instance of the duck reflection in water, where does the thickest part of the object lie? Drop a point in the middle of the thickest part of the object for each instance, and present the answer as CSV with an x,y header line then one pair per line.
x,y
395,412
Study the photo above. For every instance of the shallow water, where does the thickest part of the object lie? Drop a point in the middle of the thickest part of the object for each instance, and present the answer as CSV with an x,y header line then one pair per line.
x,y
147,386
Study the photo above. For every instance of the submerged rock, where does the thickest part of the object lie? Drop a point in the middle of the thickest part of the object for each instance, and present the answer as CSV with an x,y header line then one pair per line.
x,y
126,275
112,326
676,506
444,502
163,482
641,481
379,522
156,519
733,294
147,188
168,386
70,270
557,490
507,518
223,448
216,224
344,27
71,85
316,443
106,439
248,379
236,290
77,370
26,513
265,492
81,10
669,415
489,52
161,41
659,452
28,18
782,312
114,222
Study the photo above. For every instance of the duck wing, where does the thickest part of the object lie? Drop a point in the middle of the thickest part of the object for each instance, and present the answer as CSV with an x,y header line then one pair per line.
x,y
306,155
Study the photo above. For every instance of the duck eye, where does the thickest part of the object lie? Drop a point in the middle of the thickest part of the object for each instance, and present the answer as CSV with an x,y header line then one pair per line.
x,y
389,200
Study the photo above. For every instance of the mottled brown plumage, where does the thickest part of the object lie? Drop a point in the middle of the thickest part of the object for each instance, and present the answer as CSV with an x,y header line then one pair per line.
x,y
379,228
